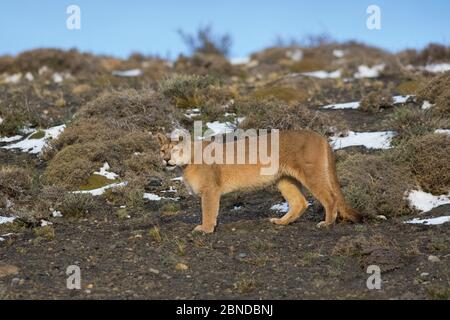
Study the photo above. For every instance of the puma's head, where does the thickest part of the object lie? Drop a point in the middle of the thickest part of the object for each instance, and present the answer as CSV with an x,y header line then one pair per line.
x,y
174,151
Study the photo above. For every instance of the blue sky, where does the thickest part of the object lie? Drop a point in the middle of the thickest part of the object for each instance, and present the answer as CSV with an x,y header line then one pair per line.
x,y
120,27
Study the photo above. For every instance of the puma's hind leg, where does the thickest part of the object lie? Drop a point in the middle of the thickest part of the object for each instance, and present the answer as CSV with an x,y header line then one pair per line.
x,y
291,192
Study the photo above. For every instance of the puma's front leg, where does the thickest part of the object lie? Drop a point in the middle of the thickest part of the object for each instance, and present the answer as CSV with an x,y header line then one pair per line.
x,y
210,210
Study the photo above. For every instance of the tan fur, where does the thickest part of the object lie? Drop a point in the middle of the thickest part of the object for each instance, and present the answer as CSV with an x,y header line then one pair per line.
x,y
305,158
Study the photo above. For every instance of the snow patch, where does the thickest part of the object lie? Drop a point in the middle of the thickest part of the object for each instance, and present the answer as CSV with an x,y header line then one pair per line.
x,y
442,131
347,105
430,221
14,78
280,207
105,173
369,72
100,191
323,74
35,146
426,105
424,201
29,76
177,179
155,197
295,55
356,104
10,139
338,53
370,140
437,67
4,220
240,60
128,73
57,214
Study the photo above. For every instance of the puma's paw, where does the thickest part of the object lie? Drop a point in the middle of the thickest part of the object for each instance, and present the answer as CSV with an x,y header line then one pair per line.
x,y
324,224
278,221
204,229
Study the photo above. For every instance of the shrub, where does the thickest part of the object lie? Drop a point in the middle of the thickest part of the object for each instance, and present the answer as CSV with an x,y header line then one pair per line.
x,y
375,185
14,181
376,101
274,114
205,41
283,93
113,128
427,159
437,91
411,121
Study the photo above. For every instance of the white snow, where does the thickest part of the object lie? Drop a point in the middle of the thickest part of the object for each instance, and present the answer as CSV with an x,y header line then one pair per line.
x,y
437,67
6,219
100,191
218,127
426,105
2,239
356,104
152,197
401,99
323,74
295,55
1,120
10,139
57,77
105,173
155,197
370,140
280,207
430,221
14,78
347,105
237,208
338,53
177,179
57,214
42,70
35,146
240,60
442,131
171,189
191,113
128,73
369,72
45,223
29,76
424,201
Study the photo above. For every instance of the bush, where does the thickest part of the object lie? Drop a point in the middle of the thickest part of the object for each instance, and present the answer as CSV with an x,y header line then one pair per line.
x,y
437,91
14,181
427,159
204,41
76,204
412,121
274,114
113,128
376,101
375,185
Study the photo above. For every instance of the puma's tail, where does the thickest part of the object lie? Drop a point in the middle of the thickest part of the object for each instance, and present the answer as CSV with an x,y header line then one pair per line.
x,y
346,212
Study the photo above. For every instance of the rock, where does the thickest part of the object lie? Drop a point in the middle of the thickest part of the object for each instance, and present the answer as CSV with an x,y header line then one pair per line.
x,y
154,182
181,267
8,270
432,258
153,271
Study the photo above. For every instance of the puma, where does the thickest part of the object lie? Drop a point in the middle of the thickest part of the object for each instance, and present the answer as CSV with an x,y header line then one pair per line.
x,y
305,159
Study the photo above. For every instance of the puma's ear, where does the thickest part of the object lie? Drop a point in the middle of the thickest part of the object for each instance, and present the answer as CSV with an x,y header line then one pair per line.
x,y
162,139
